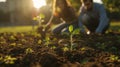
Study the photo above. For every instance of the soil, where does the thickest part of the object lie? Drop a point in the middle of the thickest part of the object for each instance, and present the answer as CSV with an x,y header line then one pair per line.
x,y
34,50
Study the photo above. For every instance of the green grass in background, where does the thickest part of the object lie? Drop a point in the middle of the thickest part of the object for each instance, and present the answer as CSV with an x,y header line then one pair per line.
x,y
17,29
115,26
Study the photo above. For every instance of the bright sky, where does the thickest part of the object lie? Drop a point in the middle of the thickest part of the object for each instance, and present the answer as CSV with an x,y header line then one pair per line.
x,y
39,3
98,1
2,0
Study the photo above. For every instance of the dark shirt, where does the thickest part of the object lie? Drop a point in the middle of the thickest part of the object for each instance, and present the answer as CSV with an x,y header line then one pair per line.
x,y
103,19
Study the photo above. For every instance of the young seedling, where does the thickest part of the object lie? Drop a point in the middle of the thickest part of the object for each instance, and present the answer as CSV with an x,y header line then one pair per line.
x,y
114,58
39,19
9,60
29,50
72,32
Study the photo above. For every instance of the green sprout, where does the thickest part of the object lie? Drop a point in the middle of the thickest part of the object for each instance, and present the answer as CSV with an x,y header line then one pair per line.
x,y
37,34
19,44
114,58
65,49
1,58
12,38
72,32
47,40
53,47
39,42
13,44
29,50
39,18
83,49
9,60
2,40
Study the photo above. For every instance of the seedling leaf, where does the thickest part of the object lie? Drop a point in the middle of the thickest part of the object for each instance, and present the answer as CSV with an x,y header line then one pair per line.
x,y
70,28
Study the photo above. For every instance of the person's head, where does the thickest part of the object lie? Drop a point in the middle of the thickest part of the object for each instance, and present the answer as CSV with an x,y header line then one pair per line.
x,y
60,5
87,3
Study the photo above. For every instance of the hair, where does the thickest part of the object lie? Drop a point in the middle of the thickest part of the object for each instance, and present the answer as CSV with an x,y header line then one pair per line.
x,y
67,13
86,0
61,3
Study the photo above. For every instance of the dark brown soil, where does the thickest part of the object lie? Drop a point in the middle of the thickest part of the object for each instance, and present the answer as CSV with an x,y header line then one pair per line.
x,y
33,50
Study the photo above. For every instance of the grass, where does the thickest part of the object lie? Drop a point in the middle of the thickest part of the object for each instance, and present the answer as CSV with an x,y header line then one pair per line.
x,y
113,26
17,29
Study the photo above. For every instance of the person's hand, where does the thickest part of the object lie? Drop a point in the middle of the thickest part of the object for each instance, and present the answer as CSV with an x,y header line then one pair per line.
x,y
94,33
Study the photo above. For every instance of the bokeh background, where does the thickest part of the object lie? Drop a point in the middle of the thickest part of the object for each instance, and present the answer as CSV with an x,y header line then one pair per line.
x,y
21,12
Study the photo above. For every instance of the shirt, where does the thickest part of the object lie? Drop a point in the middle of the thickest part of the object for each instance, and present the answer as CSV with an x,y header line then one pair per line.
x,y
103,19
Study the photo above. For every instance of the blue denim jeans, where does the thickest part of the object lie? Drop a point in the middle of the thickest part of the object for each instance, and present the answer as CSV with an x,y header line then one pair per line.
x,y
64,27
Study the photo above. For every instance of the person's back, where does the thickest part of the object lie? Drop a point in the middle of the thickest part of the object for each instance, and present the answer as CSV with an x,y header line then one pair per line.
x,y
93,16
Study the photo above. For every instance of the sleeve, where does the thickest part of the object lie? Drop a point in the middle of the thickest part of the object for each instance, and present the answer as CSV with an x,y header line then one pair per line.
x,y
104,21
82,29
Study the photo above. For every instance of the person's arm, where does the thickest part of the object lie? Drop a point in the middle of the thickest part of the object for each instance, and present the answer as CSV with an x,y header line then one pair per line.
x,y
80,20
104,21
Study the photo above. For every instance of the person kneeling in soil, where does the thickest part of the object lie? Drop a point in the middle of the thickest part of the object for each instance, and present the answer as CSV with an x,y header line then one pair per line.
x,y
93,17
63,10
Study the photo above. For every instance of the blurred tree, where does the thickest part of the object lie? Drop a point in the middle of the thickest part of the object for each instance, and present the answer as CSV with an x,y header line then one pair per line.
x,y
113,8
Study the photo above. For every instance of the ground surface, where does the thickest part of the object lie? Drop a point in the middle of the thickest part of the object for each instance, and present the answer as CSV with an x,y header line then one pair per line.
x,y
34,50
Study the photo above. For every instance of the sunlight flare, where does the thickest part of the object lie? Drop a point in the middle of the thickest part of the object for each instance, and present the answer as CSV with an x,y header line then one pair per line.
x,y
2,0
39,3
88,32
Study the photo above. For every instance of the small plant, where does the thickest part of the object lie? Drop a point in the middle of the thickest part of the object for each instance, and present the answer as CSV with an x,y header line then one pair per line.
x,y
53,47
47,41
19,44
12,38
13,44
9,60
72,32
29,50
39,18
65,49
2,40
39,41
83,49
114,58
1,58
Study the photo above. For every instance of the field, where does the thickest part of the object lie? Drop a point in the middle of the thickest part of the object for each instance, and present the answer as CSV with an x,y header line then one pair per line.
x,y
23,47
